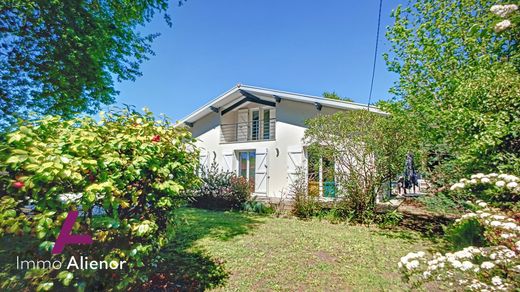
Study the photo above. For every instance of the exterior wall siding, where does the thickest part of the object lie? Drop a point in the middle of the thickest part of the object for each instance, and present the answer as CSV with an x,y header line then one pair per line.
x,y
290,130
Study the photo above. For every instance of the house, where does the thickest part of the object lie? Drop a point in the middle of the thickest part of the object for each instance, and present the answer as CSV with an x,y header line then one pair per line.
x,y
258,133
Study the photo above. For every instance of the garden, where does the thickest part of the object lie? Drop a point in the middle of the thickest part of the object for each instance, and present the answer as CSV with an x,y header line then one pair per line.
x,y
123,193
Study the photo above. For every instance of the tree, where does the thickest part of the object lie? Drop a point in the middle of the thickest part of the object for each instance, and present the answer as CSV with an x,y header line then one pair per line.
x,y
62,57
126,173
335,96
368,150
458,67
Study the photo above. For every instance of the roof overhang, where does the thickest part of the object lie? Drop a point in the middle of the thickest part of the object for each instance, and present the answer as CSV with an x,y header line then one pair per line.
x,y
243,93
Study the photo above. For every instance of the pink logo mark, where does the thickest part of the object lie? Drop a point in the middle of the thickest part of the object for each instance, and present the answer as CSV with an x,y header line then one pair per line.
x,y
65,237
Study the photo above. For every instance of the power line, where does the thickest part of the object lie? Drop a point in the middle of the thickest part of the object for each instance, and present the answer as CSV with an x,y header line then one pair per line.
x,y
375,53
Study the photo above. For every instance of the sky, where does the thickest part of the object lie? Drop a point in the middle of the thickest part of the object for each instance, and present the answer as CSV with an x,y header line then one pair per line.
x,y
299,46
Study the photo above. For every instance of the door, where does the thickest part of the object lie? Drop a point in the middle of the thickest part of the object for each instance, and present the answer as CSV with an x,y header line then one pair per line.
x,y
247,166
261,171
242,122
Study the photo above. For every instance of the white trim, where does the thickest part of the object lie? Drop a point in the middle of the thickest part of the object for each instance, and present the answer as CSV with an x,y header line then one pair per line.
x,y
225,99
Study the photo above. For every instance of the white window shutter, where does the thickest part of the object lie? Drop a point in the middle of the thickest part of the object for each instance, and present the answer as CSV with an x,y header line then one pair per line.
x,y
295,162
203,160
227,161
242,126
261,171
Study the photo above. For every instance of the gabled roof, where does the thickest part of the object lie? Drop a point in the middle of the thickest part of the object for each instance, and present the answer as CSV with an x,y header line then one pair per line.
x,y
241,91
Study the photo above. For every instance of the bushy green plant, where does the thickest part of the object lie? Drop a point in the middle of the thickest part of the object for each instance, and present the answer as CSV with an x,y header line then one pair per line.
x,y
124,173
464,234
490,240
458,64
304,205
389,219
254,206
366,148
500,189
220,190
441,203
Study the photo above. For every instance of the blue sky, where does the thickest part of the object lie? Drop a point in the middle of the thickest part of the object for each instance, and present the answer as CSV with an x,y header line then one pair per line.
x,y
293,45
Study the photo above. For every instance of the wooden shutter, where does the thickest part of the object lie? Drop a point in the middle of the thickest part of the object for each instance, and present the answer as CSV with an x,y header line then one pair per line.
x,y
261,171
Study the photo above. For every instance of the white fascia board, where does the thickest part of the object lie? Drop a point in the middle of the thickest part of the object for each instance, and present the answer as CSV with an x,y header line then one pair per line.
x,y
312,99
205,109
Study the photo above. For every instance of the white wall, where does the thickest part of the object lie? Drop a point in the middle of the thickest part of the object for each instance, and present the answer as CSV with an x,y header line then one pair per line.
x,y
290,129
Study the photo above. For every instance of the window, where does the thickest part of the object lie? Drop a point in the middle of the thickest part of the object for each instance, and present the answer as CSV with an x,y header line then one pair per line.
x,y
246,166
267,124
255,125
321,173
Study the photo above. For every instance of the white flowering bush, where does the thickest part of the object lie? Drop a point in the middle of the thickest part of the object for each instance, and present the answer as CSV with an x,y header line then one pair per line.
x,y
504,11
490,187
494,266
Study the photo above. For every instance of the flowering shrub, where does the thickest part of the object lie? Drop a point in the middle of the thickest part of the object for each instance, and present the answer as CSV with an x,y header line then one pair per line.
x,y
503,11
221,190
490,187
123,173
495,266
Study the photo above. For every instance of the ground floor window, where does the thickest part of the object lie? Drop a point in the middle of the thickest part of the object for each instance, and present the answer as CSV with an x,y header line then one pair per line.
x,y
246,166
320,171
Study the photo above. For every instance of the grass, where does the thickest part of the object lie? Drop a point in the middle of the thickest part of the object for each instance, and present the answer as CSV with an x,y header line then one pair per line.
x,y
229,251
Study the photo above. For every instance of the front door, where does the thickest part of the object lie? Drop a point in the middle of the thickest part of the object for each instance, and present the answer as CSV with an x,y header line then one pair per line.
x,y
247,166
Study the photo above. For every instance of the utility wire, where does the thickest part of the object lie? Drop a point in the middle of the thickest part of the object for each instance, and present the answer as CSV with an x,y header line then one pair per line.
x,y
375,54
376,260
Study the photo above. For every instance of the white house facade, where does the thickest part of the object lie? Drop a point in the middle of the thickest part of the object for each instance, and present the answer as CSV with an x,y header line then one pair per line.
x,y
258,134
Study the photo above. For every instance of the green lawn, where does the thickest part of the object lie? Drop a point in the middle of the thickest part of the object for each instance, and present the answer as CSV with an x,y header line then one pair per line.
x,y
232,251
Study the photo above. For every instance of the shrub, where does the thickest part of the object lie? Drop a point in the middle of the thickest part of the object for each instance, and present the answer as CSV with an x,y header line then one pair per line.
x,y
254,206
492,265
501,189
441,203
466,233
124,173
389,219
365,149
220,190
305,205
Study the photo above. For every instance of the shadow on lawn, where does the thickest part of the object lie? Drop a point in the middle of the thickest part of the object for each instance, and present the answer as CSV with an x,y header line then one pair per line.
x,y
186,267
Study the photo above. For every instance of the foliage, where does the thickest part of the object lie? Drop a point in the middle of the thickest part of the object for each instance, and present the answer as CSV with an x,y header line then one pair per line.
x,y
367,149
497,188
440,203
220,190
333,95
305,205
61,57
467,233
389,219
458,84
254,206
493,264
124,173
